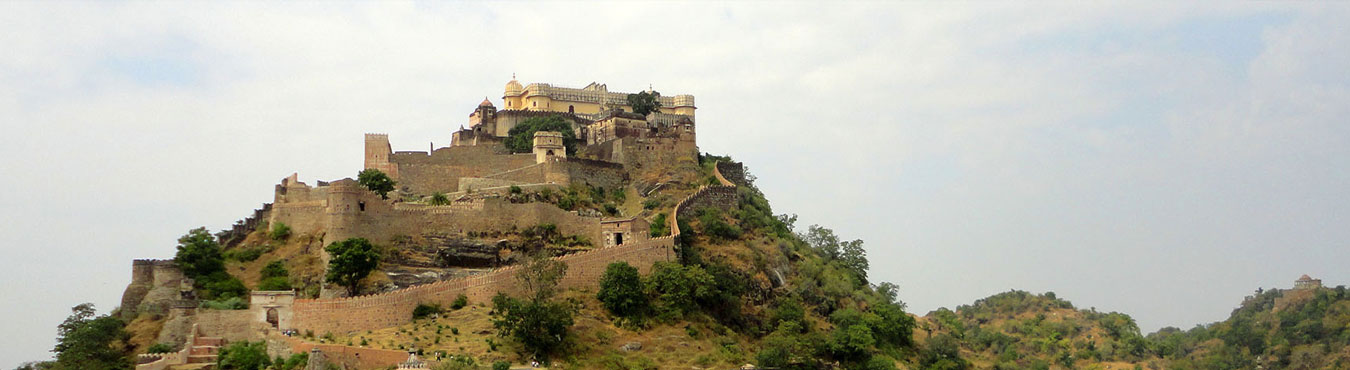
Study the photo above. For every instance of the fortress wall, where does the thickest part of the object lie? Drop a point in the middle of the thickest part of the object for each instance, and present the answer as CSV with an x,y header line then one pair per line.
x,y
153,288
493,215
719,196
304,217
475,183
730,173
395,308
592,172
233,325
440,170
532,174
657,151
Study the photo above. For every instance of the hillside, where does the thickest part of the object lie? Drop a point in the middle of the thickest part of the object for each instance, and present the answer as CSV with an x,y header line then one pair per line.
x,y
1302,328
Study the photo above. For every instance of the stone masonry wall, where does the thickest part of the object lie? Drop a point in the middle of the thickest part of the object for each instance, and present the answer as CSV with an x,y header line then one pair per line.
x,y
395,308
439,171
733,172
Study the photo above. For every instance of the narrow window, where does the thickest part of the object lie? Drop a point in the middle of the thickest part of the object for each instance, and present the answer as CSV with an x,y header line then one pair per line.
x,y
361,206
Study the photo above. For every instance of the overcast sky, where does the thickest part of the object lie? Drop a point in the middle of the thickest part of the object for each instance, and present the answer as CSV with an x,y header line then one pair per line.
x,y
1158,160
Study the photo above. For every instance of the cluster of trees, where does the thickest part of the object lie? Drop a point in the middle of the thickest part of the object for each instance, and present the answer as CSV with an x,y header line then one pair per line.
x,y
1311,329
671,292
87,341
253,356
201,258
644,102
520,139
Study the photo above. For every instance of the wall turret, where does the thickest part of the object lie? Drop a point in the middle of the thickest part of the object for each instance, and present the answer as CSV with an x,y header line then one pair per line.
x,y
377,154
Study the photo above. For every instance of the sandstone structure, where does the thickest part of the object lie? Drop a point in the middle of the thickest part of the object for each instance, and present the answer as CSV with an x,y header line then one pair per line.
x,y
482,181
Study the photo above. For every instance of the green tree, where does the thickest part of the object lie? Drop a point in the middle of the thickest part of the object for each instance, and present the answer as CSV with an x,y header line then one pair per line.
x,y
520,139
199,254
244,356
621,291
87,342
352,260
645,102
376,181
539,276
538,324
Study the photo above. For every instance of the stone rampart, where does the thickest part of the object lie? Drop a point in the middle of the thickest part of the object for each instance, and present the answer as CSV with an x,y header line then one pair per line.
x,y
730,173
154,287
232,325
241,228
395,308
440,171
584,271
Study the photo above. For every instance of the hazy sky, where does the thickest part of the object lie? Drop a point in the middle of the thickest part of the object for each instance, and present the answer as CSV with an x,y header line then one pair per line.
x,y
1158,160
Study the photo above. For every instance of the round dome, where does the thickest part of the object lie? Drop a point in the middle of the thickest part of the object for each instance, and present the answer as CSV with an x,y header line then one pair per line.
x,y
513,88
485,103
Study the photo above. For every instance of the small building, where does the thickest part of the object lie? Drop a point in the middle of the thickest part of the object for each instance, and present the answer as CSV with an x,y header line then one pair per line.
x,y
1306,282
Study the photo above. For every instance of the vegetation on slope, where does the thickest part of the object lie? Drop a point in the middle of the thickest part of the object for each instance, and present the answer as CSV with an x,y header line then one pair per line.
x,y
520,139
1272,329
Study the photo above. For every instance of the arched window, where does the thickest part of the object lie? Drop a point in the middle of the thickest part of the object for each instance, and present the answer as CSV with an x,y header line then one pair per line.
x,y
571,109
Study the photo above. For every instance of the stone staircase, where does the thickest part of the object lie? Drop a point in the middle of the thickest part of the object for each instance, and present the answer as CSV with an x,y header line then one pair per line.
x,y
204,350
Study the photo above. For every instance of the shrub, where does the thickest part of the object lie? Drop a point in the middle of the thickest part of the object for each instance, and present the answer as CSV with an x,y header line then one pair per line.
x,y
244,356
423,310
460,302
717,228
234,303
244,254
439,199
160,348
651,203
274,283
611,210
501,365
515,189
279,231
659,226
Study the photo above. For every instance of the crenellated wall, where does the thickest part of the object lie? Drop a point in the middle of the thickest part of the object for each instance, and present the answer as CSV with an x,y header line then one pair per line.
x,y
395,308
584,271
154,287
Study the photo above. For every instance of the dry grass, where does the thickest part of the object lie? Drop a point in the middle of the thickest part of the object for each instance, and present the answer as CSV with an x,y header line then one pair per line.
x,y
144,330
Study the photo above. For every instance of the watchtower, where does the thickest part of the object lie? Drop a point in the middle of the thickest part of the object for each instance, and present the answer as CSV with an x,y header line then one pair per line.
x,y
548,145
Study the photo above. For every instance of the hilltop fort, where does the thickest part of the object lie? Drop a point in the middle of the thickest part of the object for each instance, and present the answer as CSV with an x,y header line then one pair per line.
x,y
450,221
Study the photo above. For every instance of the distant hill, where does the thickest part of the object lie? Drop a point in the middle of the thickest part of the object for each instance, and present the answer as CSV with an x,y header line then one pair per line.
x,y
1305,328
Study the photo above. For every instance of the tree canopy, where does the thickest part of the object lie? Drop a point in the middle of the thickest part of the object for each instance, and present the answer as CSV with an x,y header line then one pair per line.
x,y
645,102
352,260
200,257
520,139
537,323
376,181
88,342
